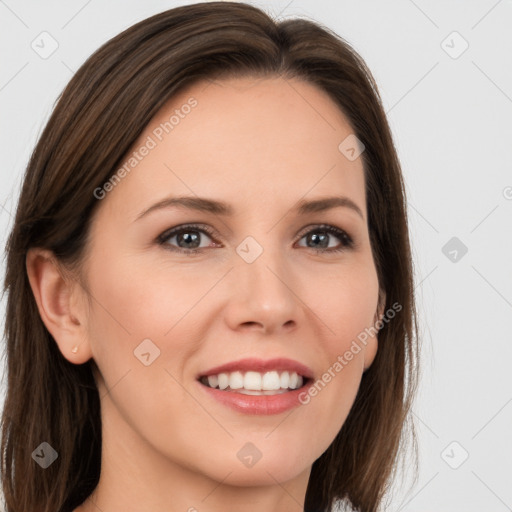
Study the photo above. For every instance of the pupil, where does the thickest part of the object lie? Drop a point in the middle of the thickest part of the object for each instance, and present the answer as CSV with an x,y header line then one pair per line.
x,y
323,242
187,238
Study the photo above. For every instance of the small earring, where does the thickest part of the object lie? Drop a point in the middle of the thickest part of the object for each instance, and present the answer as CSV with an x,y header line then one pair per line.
x,y
74,349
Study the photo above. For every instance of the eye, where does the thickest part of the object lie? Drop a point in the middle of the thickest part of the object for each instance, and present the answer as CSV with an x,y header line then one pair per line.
x,y
321,236
187,238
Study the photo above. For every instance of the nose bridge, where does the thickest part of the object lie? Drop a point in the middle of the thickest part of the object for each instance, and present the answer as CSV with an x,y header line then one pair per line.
x,y
264,284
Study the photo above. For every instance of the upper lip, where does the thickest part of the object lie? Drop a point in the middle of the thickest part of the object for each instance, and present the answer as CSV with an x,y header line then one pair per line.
x,y
280,364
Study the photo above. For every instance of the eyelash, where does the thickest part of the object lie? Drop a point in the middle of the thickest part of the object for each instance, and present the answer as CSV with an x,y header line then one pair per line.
x,y
346,241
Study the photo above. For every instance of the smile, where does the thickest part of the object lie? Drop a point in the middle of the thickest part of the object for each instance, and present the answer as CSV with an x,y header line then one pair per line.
x,y
255,383
256,386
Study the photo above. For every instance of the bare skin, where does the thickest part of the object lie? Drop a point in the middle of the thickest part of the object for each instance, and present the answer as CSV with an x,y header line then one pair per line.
x,y
260,145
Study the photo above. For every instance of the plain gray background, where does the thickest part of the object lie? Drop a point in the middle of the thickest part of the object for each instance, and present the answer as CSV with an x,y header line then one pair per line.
x,y
450,110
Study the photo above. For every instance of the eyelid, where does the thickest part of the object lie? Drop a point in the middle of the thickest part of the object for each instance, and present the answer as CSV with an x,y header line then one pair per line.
x,y
163,237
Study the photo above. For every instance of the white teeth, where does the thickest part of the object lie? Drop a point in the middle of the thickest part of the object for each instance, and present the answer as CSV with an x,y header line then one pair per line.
x,y
252,380
236,380
213,381
271,381
255,383
285,380
223,380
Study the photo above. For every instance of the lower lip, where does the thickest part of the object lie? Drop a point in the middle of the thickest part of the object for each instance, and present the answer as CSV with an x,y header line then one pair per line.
x,y
258,404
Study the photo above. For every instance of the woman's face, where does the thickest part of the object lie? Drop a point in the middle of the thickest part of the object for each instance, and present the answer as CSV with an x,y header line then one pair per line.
x,y
269,282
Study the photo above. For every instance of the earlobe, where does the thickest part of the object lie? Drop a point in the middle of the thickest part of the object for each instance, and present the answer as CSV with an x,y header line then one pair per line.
x,y
55,296
379,314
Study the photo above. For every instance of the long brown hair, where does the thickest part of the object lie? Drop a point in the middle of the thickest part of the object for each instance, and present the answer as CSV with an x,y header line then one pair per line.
x,y
96,120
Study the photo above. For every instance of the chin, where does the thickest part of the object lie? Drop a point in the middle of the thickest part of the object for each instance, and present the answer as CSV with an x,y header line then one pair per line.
x,y
248,467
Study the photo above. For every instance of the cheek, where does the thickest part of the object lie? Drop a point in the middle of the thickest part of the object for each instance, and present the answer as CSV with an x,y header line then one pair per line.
x,y
139,301
139,310
347,302
132,305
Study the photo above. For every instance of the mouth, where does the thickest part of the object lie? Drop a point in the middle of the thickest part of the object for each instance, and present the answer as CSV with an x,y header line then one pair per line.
x,y
257,386
256,383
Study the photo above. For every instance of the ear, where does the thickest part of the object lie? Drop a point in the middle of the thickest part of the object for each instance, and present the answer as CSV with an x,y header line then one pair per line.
x,y
61,304
373,341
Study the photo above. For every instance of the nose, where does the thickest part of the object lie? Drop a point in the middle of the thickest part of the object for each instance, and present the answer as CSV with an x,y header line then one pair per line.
x,y
263,298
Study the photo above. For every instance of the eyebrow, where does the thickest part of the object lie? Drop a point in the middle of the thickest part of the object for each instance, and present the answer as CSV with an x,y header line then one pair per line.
x,y
220,208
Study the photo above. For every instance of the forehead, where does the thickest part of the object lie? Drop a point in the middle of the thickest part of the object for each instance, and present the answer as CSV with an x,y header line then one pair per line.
x,y
245,140
254,113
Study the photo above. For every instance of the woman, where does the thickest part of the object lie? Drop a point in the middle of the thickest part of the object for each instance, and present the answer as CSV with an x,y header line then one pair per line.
x,y
210,295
